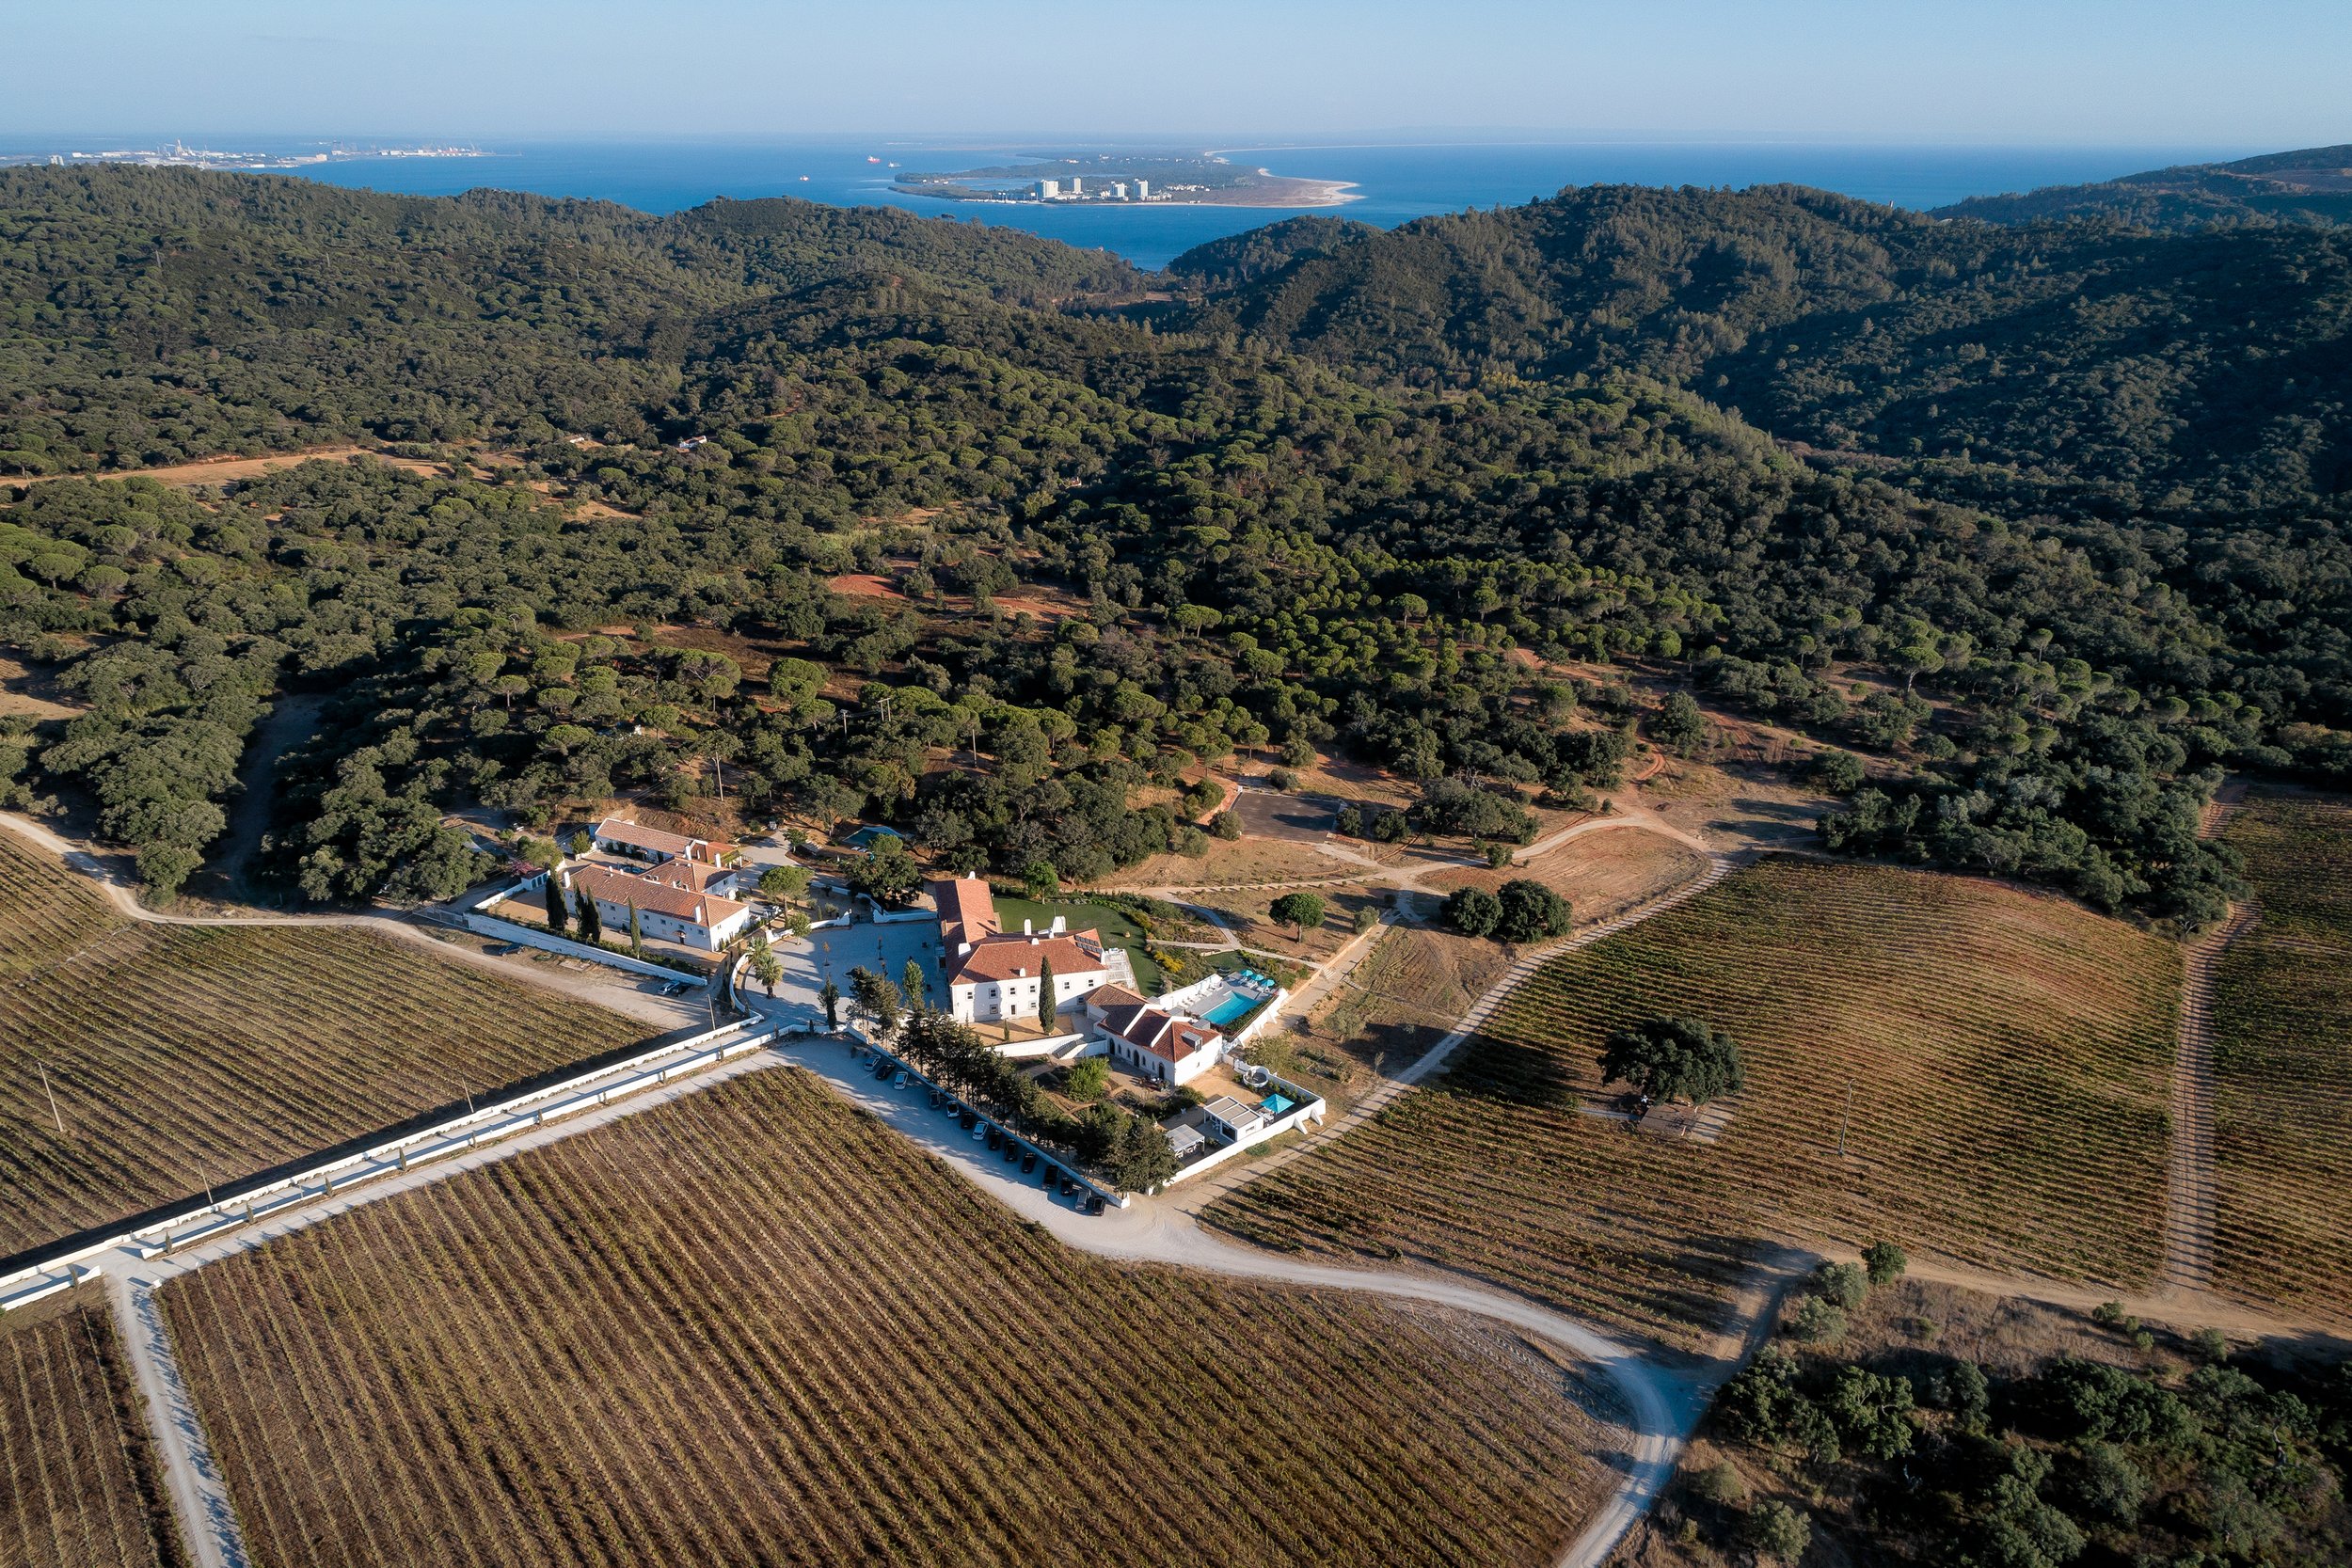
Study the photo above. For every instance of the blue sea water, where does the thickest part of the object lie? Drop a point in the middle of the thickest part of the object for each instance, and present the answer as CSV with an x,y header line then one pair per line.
x,y
1394,182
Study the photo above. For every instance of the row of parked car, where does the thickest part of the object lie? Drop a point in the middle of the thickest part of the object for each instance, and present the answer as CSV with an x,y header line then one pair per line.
x,y
995,1138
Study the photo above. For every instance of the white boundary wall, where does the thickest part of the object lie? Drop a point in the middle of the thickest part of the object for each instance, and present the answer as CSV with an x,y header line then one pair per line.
x,y
1309,1108
1116,1198
484,1124
506,930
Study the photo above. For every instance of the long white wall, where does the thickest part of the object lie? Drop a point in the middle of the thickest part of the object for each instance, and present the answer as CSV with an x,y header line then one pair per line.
x,y
483,1124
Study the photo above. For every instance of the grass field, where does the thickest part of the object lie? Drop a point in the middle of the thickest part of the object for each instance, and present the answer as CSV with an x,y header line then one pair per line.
x,y
756,1327
1117,927
78,1485
2282,1061
2008,1057
180,1055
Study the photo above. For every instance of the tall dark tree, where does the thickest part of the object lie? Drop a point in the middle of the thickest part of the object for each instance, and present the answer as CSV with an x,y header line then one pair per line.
x,y
1674,1058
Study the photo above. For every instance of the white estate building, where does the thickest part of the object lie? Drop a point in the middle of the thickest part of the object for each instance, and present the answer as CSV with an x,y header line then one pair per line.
x,y
992,974
674,902
1167,1048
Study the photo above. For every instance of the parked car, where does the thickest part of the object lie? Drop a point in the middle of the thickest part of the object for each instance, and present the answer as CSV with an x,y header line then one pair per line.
x,y
1094,1203
1028,1162
994,1137
901,1082
968,1119
979,1132
934,1099
675,987
1046,1180
1012,1150
1069,1188
884,1067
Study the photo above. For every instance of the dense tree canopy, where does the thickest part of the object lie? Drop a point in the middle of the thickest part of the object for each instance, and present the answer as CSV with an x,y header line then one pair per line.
x,y
1337,494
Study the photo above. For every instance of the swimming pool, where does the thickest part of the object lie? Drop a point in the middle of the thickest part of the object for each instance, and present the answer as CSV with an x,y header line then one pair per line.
x,y
1276,1104
1230,1009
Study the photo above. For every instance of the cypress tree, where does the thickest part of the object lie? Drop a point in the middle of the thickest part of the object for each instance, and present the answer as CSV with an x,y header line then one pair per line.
x,y
591,920
558,918
1045,995
636,937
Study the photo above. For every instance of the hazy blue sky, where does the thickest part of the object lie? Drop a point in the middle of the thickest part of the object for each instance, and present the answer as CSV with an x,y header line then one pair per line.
x,y
2262,73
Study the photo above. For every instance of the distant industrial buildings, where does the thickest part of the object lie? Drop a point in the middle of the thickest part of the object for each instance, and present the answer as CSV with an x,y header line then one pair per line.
x,y
1115,190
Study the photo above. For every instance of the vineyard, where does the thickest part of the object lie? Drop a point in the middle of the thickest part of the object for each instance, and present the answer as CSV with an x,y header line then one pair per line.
x,y
753,1327
2282,1061
79,1487
2006,1054
179,1056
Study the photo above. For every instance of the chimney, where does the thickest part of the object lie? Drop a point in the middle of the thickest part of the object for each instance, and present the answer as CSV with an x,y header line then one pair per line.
x,y
1057,928
1025,926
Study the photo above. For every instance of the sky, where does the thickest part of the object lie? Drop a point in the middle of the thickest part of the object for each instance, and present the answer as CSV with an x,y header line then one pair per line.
x,y
2046,72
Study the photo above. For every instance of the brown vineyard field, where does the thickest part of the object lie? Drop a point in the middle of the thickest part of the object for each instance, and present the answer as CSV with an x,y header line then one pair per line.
x,y
2008,1056
180,1055
754,1327
2282,1061
78,1487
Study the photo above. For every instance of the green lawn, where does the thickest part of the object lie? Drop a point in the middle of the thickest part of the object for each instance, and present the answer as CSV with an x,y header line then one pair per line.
x,y
1119,929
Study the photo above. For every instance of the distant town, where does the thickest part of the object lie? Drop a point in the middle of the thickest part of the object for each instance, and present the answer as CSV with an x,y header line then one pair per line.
x,y
180,155
1128,180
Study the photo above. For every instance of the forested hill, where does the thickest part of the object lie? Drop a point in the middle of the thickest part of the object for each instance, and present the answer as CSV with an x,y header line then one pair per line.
x,y
1328,496
153,315
2310,186
2086,366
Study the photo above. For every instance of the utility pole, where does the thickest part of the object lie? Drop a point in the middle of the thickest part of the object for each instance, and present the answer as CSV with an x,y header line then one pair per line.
x,y
52,1094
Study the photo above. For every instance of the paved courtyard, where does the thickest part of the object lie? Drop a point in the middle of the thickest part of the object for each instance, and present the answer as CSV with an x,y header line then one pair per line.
x,y
810,961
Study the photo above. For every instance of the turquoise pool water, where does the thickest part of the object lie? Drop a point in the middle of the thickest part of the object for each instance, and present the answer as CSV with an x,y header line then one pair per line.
x,y
1228,1010
1276,1104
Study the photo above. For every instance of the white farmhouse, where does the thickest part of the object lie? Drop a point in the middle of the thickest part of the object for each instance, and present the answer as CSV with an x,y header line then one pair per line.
x,y
671,904
994,974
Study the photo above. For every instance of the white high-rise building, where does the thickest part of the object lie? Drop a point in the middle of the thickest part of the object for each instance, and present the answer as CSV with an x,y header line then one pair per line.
x,y
1119,191
1048,189
1143,190
1077,185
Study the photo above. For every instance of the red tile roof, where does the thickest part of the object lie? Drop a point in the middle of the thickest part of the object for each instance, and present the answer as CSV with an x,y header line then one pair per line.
x,y
967,911
654,896
617,830
1164,1034
1011,957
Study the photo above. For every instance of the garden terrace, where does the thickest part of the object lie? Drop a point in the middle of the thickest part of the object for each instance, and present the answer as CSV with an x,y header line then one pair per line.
x,y
182,1055
2282,1061
2008,1056
754,1326
78,1485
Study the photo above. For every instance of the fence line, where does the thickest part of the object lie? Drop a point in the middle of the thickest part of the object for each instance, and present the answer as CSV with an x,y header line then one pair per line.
x,y
231,1209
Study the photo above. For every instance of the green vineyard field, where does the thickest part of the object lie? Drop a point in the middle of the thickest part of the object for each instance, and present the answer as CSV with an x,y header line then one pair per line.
x,y
2006,1057
754,1327
78,1486
181,1056
2282,1061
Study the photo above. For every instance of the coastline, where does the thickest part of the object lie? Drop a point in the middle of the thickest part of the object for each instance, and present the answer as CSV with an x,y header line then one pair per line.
x,y
1281,190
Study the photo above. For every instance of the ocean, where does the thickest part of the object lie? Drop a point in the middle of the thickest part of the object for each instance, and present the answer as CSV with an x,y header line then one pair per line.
x,y
1395,183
